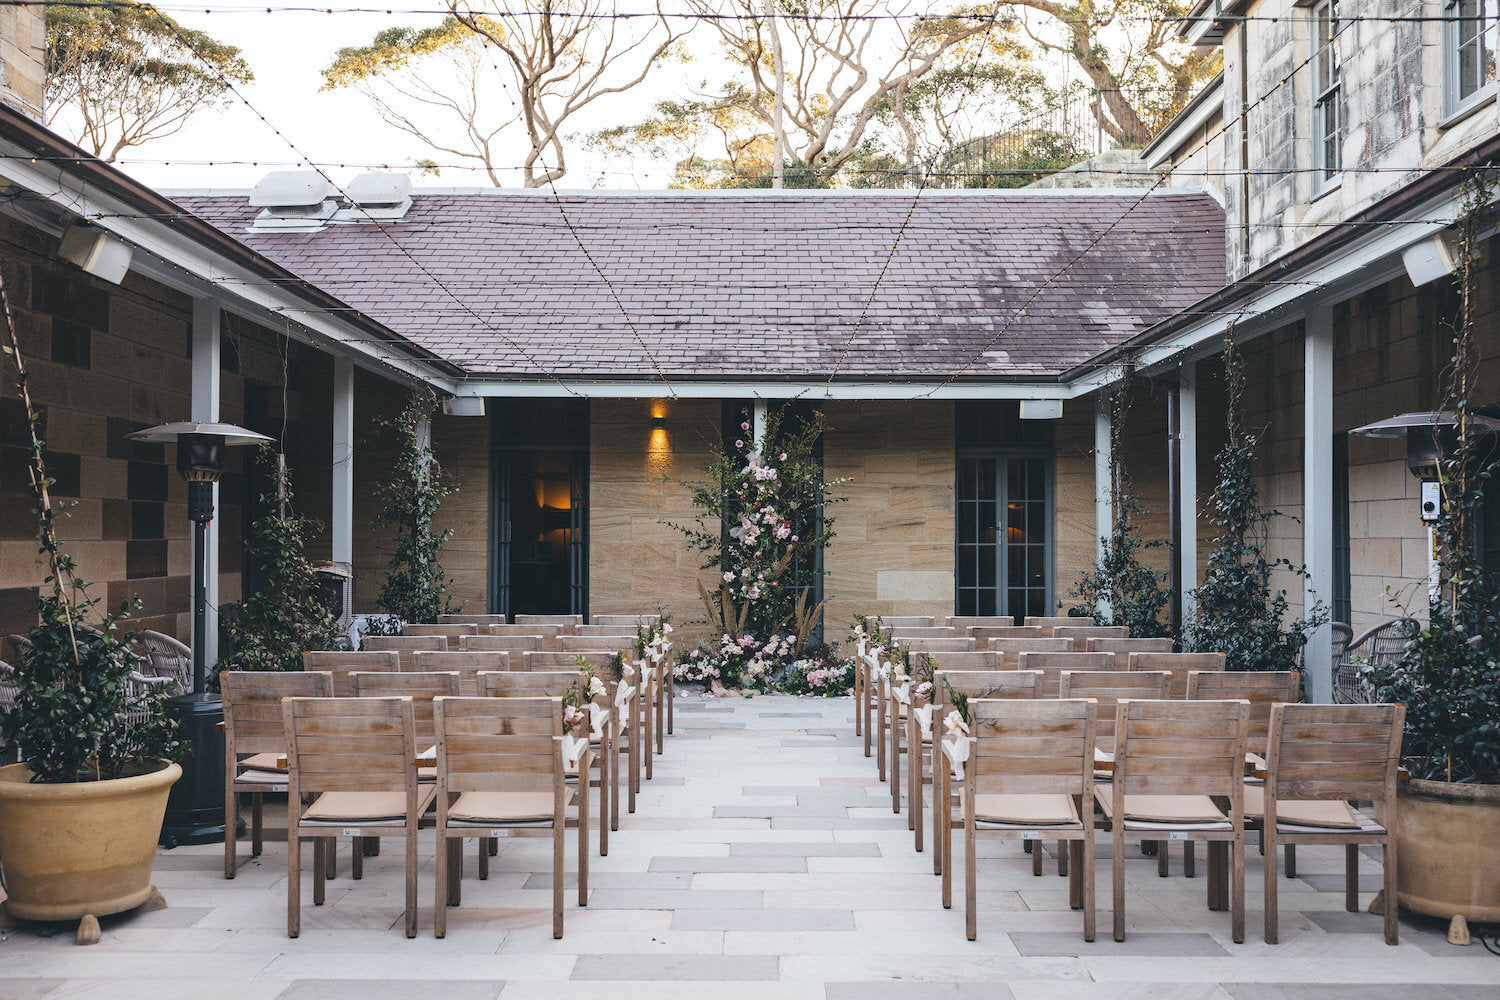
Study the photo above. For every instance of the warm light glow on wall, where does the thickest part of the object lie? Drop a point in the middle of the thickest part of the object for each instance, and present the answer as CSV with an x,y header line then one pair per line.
x,y
658,442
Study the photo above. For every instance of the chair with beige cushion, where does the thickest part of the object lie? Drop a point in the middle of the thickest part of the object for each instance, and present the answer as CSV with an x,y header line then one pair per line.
x,y
1123,646
1050,622
982,634
1010,649
255,743
352,773
563,622
970,622
407,646
631,705
1107,688
482,621
1179,775
1322,761
452,631
903,633
597,642
500,770
339,664
468,666
1085,630
547,633
1179,665
1052,666
1030,775
629,621
513,644
906,621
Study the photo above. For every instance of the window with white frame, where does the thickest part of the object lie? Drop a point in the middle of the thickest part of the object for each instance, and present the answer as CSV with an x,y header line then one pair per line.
x,y
1469,43
1327,100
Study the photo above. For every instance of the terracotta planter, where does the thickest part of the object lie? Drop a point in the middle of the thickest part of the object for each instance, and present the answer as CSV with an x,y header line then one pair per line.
x,y
68,850
1447,851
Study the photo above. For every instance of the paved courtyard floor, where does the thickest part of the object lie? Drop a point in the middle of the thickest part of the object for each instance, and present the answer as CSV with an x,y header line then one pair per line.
x,y
763,861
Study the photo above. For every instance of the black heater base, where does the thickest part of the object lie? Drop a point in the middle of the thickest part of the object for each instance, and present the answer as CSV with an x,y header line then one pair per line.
x,y
195,806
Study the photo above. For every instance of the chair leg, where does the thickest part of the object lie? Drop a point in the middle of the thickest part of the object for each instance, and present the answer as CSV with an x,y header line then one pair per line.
x,y
493,844
293,883
1037,854
1388,860
1351,878
320,866
1119,877
1062,858
880,735
671,702
440,887
1189,860
411,877
231,808
614,773
1164,858
1089,888
940,815
456,870
356,858
1237,887
1291,860
893,758
661,714
604,817
648,726
583,843
257,840
484,860
1075,875
557,878
1268,844
859,689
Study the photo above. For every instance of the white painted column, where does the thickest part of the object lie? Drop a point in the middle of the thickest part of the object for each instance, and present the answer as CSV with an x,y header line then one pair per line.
x,y
343,460
1104,506
424,432
758,421
205,409
1317,494
1187,483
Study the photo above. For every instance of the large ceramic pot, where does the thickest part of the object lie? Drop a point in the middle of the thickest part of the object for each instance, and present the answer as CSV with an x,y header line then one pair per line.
x,y
1447,850
68,850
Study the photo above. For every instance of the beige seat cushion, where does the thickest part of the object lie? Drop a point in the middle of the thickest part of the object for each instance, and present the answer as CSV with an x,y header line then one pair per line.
x,y
1185,810
261,778
365,807
1021,809
504,807
264,762
1330,814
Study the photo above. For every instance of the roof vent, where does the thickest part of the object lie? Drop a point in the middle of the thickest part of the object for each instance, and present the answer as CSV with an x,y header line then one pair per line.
x,y
377,198
292,201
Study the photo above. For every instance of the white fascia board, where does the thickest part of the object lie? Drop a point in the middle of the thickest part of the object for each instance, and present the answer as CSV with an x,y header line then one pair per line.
x,y
811,390
1340,275
1186,127
187,266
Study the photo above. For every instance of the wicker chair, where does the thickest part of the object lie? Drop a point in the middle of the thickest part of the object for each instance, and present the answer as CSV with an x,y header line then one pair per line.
x,y
164,656
1378,647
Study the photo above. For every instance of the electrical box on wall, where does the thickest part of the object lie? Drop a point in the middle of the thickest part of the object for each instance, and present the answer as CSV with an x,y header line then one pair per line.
x,y
1432,501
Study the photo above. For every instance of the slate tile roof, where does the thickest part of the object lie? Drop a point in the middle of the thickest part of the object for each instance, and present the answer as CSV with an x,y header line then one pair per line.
x,y
993,284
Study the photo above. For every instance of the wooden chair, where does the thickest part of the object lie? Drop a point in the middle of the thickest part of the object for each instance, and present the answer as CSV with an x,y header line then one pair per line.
x,y
904,633
552,659
467,665
1081,633
564,622
906,621
635,714
970,684
1010,650
926,661
959,644
610,630
629,621
982,634
1052,666
1029,775
406,645
1173,760
1322,760
355,758
500,643
340,664
255,743
1179,665
1123,646
482,621
557,684
1049,622
968,623
421,688
547,633
596,643
448,630
1108,688
500,769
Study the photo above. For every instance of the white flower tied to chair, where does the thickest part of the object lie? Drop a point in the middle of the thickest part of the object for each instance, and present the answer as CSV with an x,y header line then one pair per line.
x,y
956,742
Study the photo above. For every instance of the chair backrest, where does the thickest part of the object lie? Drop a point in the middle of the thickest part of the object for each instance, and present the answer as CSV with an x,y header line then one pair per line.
x,y
969,622
466,664
1053,664
564,622
1178,664
551,660
938,645
1010,649
1082,633
906,632
499,744
1032,746
983,684
622,644
1172,747
1107,688
1050,622
528,684
1261,688
982,634
629,621
906,621
406,645
924,660
350,745
421,688
499,643
166,657
342,663
1123,646
253,720
451,630
548,633
483,621
1347,752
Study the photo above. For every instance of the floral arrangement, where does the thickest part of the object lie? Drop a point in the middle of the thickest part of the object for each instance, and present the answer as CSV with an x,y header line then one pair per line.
x,y
651,640
744,662
819,672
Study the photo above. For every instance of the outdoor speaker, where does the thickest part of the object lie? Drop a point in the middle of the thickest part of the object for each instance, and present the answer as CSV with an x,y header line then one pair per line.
x,y
98,253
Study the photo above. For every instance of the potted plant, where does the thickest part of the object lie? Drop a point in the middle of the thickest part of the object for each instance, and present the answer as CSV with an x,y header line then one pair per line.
x,y
1448,677
81,813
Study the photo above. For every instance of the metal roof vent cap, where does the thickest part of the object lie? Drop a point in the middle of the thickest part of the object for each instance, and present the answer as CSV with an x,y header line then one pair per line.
x,y
377,197
292,201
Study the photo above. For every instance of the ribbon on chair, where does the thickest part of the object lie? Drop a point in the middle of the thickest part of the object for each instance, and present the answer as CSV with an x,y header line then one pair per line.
x,y
598,719
572,750
956,743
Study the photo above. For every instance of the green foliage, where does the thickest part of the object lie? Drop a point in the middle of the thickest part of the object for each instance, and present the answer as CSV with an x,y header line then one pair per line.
x,y
1119,589
394,50
415,589
287,615
1237,613
126,75
1449,674
77,714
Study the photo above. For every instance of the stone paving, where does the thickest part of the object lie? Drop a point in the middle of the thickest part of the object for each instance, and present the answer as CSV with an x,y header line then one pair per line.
x,y
763,861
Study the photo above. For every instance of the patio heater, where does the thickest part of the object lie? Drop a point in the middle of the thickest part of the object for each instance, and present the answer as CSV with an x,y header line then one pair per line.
x,y
195,808
1427,434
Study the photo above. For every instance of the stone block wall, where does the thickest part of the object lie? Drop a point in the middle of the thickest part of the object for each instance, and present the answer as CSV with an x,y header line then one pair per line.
x,y
23,58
